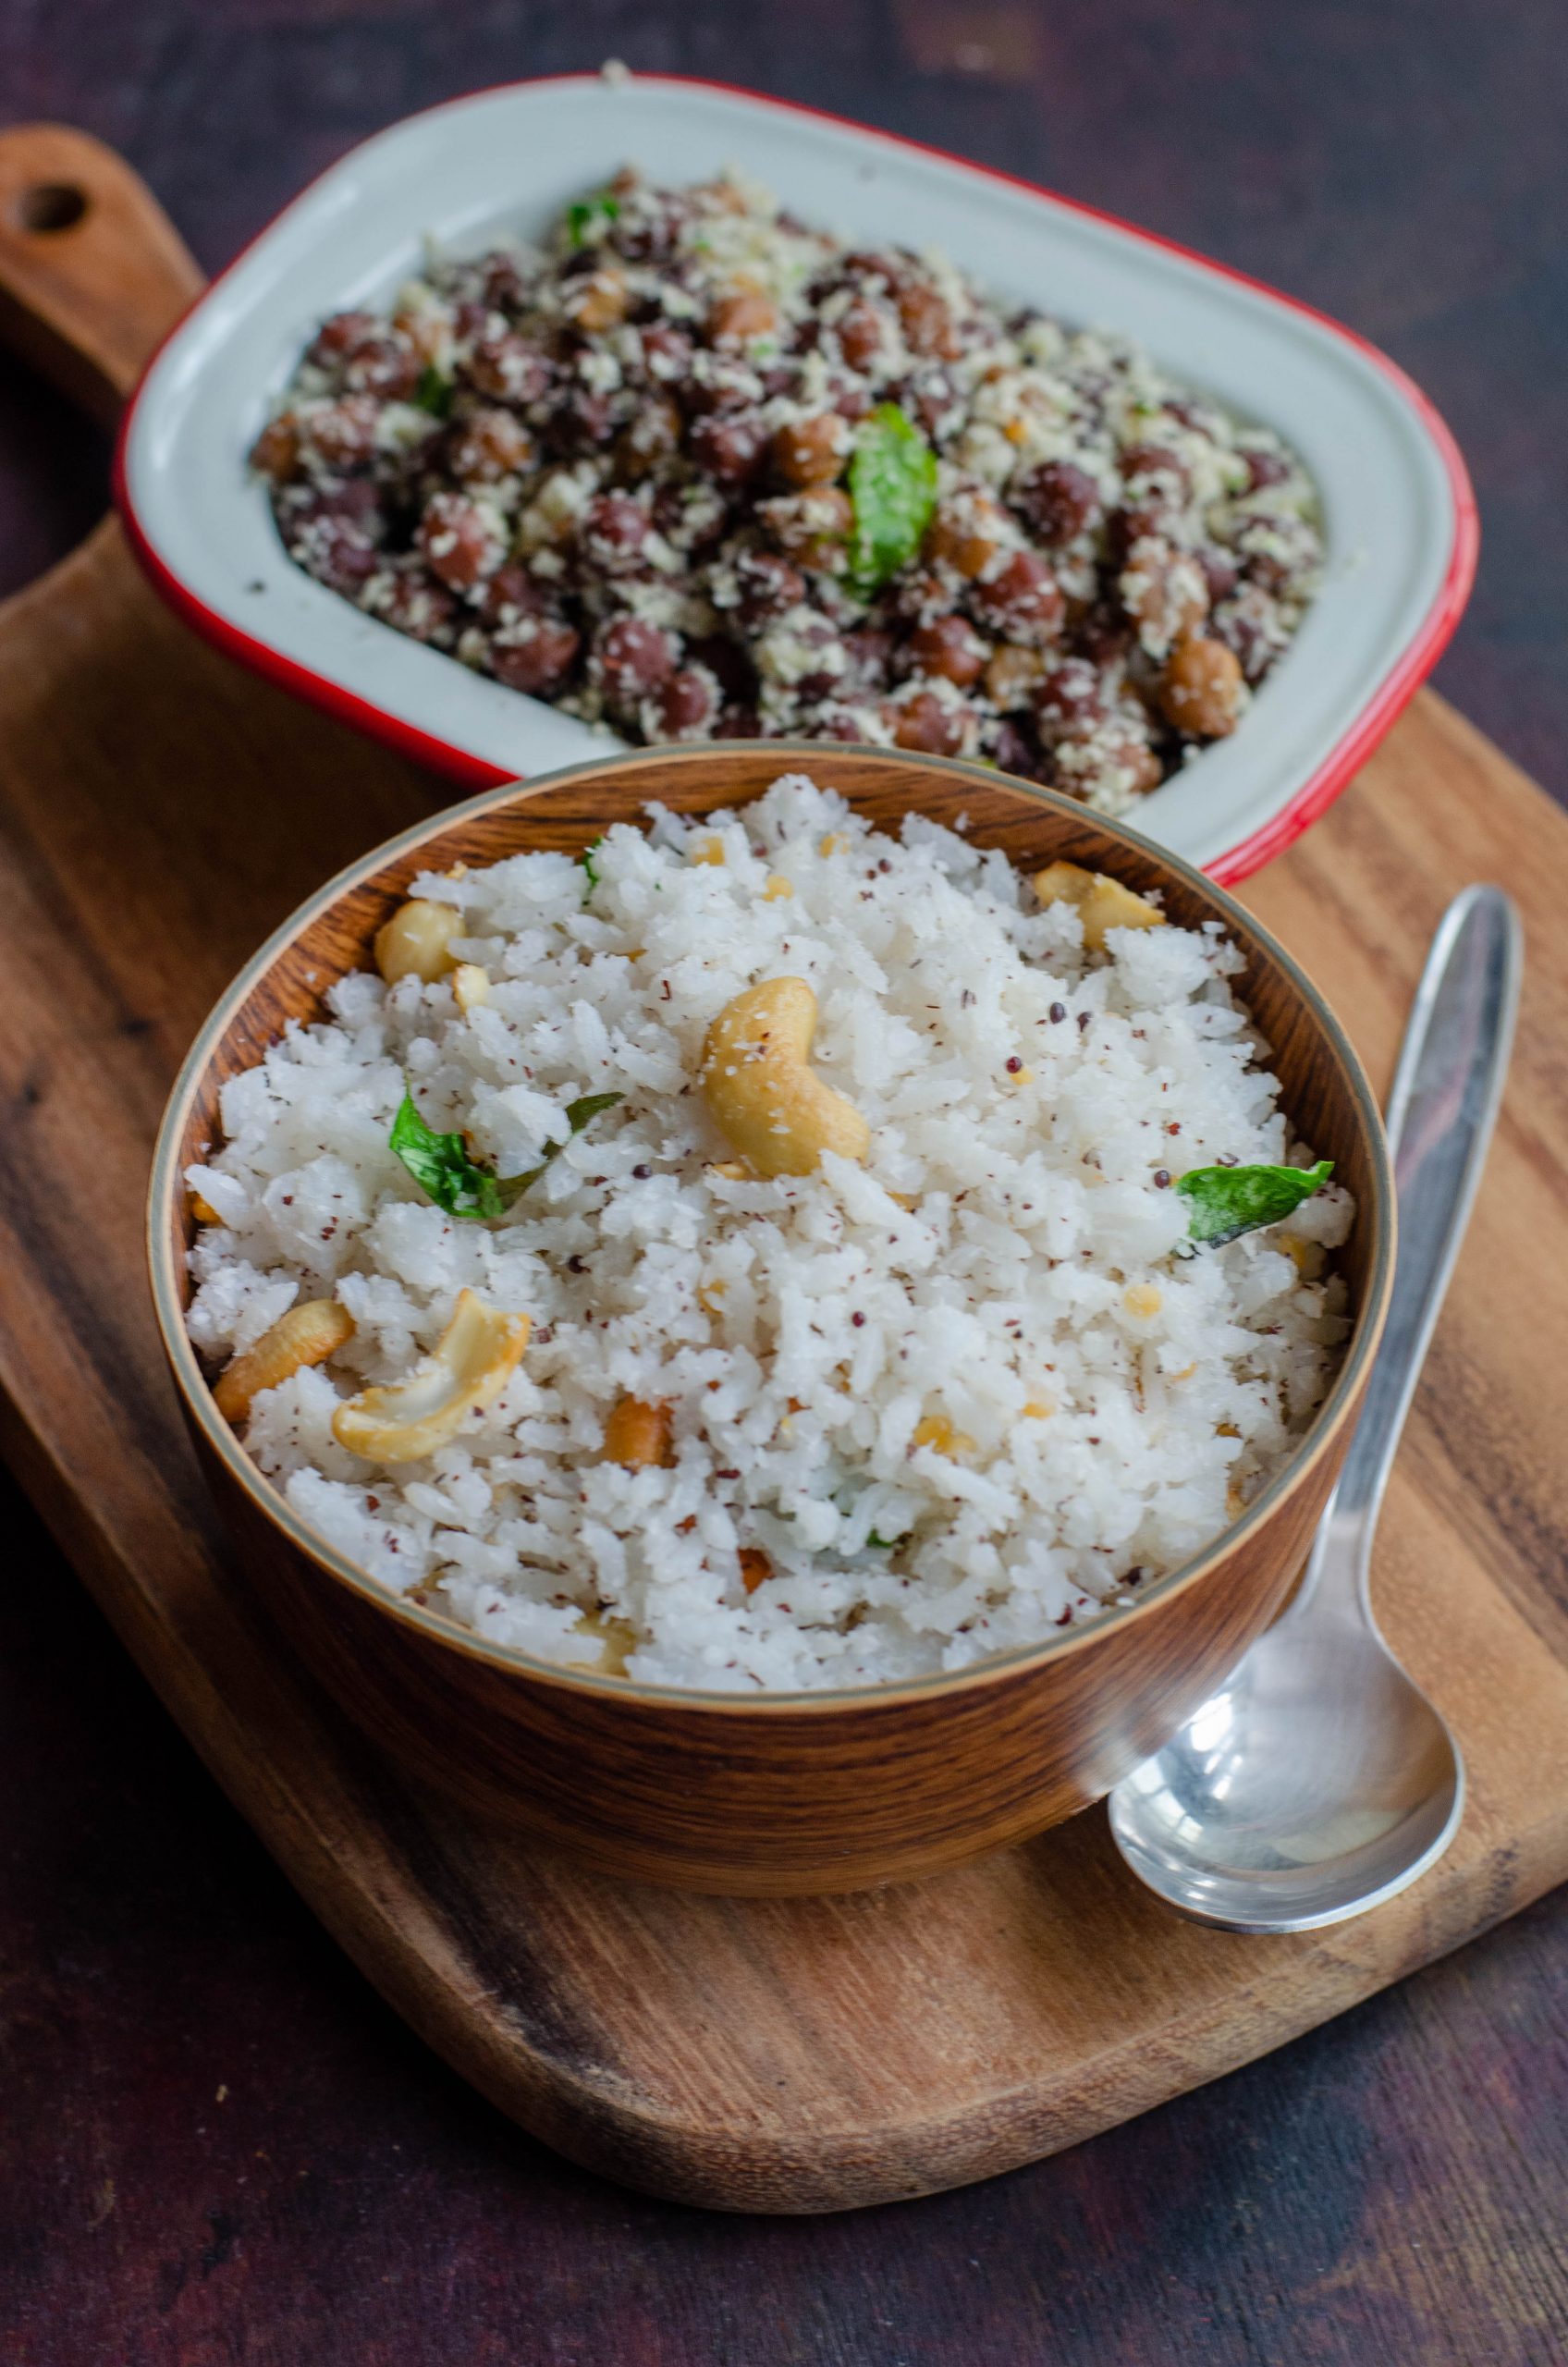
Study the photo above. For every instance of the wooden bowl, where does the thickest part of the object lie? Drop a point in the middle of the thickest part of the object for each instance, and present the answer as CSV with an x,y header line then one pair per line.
x,y
789,1791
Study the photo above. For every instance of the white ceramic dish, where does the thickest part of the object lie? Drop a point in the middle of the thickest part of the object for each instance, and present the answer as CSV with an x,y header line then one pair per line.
x,y
1398,510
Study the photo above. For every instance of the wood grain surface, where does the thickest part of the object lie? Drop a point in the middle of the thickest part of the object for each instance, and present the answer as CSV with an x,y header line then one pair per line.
x,y
88,260
786,2054
214,2143
748,1796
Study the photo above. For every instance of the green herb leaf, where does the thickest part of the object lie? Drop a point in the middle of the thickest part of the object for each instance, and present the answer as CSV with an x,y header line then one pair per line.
x,y
434,393
579,1114
883,1544
440,1165
463,1186
1227,1201
589,220
589,866
893,487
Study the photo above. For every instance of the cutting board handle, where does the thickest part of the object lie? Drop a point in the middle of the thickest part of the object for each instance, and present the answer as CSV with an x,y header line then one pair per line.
x,y
92,272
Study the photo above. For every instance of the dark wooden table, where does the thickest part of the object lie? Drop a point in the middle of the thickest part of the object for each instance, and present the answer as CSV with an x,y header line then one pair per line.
x,y
215,2145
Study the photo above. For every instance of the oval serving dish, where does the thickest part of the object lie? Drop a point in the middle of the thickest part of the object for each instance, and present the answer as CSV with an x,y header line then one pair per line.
x,y
1398,513
784,1792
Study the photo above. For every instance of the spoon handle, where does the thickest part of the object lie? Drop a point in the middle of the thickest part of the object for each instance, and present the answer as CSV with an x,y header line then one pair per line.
x,y
1441,1111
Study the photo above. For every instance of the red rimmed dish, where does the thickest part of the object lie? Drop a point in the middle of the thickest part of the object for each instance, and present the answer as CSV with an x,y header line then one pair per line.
x,y
774,1793
1397,508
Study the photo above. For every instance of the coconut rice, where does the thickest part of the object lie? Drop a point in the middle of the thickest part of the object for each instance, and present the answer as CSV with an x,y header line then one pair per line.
x,y
921,1409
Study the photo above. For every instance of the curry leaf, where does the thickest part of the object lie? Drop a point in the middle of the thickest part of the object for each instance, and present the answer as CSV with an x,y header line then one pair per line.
x,y
893,488
463,1186
433,393
589,220
1227,1201
579,1114
441,1168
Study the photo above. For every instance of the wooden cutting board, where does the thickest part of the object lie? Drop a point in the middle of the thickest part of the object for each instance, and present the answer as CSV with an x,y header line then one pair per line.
x,y
159,813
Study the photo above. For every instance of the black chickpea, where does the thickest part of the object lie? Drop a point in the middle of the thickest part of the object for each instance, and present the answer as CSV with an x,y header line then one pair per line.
x,y
696,470
1202,689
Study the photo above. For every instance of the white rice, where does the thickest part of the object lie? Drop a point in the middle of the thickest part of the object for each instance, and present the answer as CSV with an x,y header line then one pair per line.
x,y
1112,1399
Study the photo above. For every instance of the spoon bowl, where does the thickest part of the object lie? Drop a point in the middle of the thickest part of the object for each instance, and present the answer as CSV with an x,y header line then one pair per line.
x,y
1319,1781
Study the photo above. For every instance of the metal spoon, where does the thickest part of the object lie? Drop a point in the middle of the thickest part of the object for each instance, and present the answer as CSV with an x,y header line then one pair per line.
x,y
1320,1781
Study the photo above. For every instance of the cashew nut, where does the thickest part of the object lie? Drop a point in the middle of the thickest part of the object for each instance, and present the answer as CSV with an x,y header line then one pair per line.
x,y
307,1335
1102,903
407,1419
638,1434
470,985
417,940
761,1091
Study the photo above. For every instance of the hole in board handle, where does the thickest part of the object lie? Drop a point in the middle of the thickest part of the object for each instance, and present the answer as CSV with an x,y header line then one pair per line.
x,y
50,205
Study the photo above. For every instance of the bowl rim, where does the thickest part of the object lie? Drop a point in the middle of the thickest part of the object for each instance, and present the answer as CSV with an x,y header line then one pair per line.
x,y
167,1180
1407,668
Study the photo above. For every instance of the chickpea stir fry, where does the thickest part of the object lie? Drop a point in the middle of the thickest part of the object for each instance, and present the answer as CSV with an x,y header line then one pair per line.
x,y
696,471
